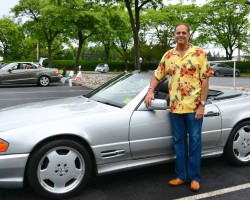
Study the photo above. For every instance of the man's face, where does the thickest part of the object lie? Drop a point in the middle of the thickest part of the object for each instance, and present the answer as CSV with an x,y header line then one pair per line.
x,y
181,35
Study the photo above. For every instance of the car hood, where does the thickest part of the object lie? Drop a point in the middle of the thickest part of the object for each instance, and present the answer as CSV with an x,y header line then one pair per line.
x,y
51,110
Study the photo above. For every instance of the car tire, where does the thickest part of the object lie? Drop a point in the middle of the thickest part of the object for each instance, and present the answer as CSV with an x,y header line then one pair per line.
x,y
59,169
44,81
237,74
237,149
216,73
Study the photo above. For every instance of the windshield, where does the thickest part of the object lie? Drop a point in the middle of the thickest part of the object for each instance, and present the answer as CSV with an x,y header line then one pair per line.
x,y
9,66
121,90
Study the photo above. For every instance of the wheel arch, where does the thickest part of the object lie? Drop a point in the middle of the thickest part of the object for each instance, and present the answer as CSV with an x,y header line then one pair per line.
x,y
231,133
241,121
58,137
234,127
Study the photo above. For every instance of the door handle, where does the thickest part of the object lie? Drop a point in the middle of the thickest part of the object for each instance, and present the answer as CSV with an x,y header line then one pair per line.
x,y
211,114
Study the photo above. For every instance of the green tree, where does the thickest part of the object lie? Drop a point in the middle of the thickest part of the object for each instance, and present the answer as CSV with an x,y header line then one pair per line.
x,y
42,22
104,35
119,22
82,19
11,38
134,8
228,24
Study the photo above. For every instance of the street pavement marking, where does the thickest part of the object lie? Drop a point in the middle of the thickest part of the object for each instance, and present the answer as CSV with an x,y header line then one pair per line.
x,y
50,98
36,92
216,192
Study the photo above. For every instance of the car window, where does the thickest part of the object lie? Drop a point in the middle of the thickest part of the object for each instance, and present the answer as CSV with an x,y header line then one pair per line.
x,y
120,92
32,66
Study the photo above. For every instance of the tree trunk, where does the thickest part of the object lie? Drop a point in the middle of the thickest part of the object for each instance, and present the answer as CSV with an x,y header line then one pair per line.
x,y
136,37
79,50
49,54
135,24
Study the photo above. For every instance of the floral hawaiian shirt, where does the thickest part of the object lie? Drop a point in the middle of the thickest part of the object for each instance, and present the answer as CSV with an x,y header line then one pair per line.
x,y
185,76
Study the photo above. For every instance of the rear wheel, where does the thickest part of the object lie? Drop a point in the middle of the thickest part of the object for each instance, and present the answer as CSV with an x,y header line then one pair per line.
x,y
59,169
237,74
44,81
237,149
216,73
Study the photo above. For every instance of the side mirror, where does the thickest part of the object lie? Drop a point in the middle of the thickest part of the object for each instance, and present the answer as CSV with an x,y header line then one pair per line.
x,y
9,70
158,104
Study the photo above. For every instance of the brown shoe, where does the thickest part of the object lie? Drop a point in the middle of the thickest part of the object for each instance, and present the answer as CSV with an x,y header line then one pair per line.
x,y
195,186
176,182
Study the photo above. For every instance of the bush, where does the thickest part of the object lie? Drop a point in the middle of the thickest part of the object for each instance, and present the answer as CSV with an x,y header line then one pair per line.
x,y
243,66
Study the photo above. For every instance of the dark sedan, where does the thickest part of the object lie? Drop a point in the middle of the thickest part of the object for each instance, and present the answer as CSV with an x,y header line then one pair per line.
x,y
224,69
28,73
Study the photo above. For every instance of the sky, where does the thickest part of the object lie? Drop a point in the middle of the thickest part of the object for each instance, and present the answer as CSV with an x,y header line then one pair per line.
x,y
6,5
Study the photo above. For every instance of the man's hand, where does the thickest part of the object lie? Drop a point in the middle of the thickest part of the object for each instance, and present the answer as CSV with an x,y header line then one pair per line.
x,y
150,96
200,112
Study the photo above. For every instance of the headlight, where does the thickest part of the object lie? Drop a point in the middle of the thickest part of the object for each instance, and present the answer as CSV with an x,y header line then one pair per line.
x,y
3,146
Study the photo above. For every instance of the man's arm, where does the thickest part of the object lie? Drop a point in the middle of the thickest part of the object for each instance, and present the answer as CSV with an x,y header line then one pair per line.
x,y
150,95
204,92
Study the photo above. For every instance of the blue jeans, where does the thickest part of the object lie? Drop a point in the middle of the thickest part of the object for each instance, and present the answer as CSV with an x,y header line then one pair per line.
x,y
188,154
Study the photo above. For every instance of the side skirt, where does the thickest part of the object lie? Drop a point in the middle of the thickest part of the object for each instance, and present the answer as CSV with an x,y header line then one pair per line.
x,y
133,164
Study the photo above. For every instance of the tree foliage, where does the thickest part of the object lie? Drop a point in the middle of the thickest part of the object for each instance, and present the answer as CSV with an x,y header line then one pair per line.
x,y
11,36
227,24
118,29
42,22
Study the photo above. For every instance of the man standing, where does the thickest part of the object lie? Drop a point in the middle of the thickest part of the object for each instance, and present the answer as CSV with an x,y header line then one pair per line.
x,y
189,73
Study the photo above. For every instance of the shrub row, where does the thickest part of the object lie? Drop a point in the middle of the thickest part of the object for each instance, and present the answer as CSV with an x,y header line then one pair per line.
x,y
243,66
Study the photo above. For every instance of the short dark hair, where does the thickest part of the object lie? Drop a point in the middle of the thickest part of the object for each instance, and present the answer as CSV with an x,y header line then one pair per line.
x,y
185,24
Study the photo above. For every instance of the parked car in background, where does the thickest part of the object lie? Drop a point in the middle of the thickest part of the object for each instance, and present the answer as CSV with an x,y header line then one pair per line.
x,y
102,67
224,69
2,64
28,73
110,129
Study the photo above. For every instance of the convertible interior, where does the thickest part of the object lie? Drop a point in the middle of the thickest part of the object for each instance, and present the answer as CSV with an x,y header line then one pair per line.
x,y
220,94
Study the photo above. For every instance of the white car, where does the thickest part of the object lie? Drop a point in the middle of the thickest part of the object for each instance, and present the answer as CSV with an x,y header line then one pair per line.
x,y
56,146
102,68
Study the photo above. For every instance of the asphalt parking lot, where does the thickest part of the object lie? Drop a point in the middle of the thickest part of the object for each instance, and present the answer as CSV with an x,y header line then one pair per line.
x,y
20,94
220,179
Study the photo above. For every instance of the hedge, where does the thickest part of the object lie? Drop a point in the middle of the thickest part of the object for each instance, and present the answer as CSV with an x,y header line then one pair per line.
x,y
243,66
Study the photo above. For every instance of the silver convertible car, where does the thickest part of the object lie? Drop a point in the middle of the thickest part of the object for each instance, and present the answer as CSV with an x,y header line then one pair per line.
x,y
28,73
57,145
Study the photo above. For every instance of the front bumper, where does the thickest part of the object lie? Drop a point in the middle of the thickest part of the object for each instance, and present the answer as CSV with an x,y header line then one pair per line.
x,y
99,70
12,168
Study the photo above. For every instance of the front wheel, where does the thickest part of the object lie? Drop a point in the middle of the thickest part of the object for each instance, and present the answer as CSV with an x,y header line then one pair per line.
x,y
44,81
237,149
59,169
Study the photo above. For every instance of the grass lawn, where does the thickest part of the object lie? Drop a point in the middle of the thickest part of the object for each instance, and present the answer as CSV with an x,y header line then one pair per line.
x,y
245,74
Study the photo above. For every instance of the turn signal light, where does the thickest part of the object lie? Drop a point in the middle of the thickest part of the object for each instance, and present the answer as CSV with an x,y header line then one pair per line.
x,y
3,146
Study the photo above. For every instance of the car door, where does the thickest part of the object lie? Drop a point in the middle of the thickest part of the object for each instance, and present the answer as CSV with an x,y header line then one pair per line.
x,y
228,70
151,133
14,75
31,75
223,70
